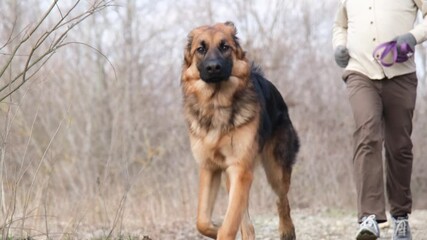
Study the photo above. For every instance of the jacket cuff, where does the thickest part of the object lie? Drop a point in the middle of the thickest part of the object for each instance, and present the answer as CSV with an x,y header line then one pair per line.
x,y
420,33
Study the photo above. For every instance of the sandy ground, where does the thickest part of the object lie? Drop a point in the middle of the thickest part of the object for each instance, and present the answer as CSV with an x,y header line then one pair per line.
x,y
310,225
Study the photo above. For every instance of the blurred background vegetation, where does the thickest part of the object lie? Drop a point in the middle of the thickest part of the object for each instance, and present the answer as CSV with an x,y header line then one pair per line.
x,y
93,137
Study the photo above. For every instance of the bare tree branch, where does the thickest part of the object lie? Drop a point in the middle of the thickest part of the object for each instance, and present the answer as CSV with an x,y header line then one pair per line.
x,y
27,37
56,44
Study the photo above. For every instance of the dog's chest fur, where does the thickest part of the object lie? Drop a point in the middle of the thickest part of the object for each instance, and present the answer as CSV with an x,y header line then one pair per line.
x,y
220,109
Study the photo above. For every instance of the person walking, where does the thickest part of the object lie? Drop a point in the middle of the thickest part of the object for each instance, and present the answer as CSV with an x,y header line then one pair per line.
x,y
374,41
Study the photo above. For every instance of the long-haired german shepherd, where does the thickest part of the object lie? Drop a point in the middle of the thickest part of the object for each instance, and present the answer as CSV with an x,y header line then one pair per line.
x,y
235,118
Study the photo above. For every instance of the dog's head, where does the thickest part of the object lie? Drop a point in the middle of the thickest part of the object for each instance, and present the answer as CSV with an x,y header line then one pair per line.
x,y
212,53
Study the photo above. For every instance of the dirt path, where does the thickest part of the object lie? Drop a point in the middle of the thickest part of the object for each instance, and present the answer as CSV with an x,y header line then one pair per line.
x,y
310,225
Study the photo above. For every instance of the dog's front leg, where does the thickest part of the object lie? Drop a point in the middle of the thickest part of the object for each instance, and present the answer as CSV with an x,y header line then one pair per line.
x,y
246,228
208,189
240,178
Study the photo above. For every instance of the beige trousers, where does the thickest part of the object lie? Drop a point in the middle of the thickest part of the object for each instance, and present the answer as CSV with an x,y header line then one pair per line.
x,y
382,110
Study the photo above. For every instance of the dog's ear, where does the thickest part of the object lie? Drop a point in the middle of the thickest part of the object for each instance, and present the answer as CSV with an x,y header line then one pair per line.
x,y
240,54
187,50
232,27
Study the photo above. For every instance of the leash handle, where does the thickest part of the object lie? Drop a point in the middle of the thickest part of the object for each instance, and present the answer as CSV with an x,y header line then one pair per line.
x,y
391,47
385,49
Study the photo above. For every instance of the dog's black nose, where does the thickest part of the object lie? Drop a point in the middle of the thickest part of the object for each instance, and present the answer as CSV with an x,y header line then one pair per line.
x,y
213,67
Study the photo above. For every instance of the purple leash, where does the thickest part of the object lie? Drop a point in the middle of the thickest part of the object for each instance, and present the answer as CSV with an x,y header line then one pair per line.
x,y
405,52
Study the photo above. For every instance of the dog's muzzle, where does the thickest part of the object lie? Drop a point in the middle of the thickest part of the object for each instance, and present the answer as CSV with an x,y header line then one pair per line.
x,y
215,70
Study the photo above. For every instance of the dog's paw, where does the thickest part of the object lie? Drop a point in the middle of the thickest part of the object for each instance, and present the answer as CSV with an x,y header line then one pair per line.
x,y
288,236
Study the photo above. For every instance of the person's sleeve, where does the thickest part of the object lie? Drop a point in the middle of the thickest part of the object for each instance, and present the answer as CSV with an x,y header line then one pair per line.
x,y
339,30
420,31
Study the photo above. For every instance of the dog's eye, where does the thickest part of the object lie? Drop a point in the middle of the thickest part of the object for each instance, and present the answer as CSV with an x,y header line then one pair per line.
x,y
201,50
224,47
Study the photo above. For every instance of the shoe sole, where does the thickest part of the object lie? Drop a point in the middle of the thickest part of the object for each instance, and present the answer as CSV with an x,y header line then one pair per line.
x,y
366,235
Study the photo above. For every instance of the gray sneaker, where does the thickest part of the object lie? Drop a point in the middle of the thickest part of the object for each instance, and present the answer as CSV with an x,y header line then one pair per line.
x,y
368,229
401,229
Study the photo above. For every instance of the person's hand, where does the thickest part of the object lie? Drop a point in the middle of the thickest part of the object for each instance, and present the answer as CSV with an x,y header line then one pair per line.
x,y
341,56
408,39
